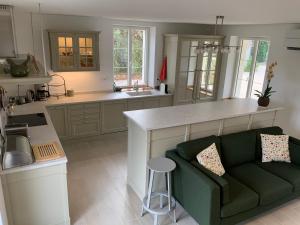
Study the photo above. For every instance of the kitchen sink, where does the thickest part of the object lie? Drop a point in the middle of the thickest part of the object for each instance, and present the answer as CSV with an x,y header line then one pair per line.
x,y
139,93
36,119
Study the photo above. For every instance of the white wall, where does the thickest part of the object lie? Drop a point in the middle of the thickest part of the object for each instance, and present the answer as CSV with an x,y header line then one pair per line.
x,y
287,74
103,79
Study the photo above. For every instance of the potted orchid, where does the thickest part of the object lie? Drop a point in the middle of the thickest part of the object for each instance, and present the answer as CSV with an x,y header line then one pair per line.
x,y
264,97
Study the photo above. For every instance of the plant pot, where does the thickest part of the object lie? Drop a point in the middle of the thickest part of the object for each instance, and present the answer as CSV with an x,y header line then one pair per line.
x,y
263,101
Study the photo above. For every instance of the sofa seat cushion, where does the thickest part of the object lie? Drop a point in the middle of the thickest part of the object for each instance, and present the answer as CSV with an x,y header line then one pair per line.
x,y
269,187
287,171
241,198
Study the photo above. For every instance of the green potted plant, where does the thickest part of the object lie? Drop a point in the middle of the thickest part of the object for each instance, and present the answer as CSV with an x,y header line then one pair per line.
x,y
264,97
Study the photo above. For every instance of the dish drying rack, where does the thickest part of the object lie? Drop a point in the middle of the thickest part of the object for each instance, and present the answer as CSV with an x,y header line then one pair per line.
x,y
58,85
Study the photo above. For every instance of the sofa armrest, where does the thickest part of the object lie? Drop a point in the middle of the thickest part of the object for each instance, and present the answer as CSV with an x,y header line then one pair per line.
x,y
220,180
294,146
196,192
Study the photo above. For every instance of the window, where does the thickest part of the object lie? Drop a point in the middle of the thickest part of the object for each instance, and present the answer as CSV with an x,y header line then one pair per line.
x,y
130,55
252,66
72,51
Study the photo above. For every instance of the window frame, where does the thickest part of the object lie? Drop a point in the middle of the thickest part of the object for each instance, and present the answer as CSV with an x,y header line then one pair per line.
x,y
54,50
253,65
145,73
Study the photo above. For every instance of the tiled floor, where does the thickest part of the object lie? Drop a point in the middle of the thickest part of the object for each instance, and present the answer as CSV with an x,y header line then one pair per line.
x,y
98,194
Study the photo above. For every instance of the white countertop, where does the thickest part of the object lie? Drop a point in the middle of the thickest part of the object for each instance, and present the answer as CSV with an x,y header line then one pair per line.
x,y
99,97
47,134
38,135
159,118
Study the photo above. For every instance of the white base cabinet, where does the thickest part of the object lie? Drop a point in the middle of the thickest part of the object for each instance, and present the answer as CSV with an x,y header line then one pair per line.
x,y
89,119
59,120
112,116
44,190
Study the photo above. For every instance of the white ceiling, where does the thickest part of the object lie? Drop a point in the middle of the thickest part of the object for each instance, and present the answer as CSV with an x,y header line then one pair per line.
x,y
194,11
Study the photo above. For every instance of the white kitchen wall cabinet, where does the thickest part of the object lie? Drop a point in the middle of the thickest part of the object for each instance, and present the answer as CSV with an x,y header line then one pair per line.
x,y
192,75
112,117
58,116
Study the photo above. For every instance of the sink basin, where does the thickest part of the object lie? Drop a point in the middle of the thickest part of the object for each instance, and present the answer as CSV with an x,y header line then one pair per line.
x,y
139,93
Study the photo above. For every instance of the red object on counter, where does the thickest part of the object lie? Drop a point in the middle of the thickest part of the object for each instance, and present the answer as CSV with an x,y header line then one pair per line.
x,y
163,72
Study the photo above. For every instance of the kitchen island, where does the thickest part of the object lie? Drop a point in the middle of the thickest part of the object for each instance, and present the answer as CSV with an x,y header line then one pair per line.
x,y
152,132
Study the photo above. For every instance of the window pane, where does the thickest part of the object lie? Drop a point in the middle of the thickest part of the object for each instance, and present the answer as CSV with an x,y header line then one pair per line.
x,y
190,80
245,65
120,56
137,57
81,42
61,42
185,48
260,67
89,42
204,63
69,42
193,63
120,37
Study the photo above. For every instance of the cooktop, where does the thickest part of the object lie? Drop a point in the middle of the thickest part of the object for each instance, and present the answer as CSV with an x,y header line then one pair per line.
x,y
36,119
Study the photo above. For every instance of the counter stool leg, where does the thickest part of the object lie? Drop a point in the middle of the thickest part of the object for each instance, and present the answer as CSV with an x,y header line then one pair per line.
x,y
161,205
169,190
150,188
155,220
174,216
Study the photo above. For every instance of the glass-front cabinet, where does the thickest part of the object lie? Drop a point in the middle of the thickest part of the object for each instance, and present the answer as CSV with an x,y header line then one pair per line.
x,y
74,51
198,71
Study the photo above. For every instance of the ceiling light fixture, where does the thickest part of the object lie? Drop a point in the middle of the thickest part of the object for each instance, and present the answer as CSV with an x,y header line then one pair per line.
x,y
216,47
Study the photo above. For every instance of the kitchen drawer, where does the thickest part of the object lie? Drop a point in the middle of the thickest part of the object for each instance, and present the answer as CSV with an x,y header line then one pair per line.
x,y
85,129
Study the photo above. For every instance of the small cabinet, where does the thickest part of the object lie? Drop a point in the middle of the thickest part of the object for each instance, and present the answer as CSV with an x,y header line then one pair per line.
x,y
59,120
151,103
84,119
112,116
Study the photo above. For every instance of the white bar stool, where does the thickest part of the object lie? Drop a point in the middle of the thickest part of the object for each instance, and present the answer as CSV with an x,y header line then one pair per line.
x,y
166,166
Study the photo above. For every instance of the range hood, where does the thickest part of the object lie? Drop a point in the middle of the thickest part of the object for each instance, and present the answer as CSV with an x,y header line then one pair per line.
x,y
7,37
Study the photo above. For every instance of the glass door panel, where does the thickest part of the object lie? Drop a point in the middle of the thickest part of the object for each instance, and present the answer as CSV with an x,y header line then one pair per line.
x,y
260,67
65,52
86,54
244,68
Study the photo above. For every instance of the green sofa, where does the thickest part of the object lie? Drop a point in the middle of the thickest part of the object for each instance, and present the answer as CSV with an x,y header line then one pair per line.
x,y
248,187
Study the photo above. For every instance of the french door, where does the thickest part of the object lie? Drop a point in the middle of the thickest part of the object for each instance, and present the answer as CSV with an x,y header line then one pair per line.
x,y
251,67
198,71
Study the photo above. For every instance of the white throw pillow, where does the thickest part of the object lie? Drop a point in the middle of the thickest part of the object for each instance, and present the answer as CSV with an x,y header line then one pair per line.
x,y
275,148
210,159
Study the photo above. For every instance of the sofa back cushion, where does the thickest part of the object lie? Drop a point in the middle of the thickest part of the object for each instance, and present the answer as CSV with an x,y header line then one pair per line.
x,y
238,148
188,150
265,130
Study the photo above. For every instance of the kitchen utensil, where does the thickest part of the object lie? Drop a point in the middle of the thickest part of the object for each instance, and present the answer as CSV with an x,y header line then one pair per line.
x,y
70,93
45,152
17,152
42,93
19,69
30,95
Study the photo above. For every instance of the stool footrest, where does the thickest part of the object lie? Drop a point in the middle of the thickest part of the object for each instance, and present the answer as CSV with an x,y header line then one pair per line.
x,y
159,211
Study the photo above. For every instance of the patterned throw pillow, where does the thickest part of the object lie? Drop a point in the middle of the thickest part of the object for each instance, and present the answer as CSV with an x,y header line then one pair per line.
x,y
275,148
210,159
